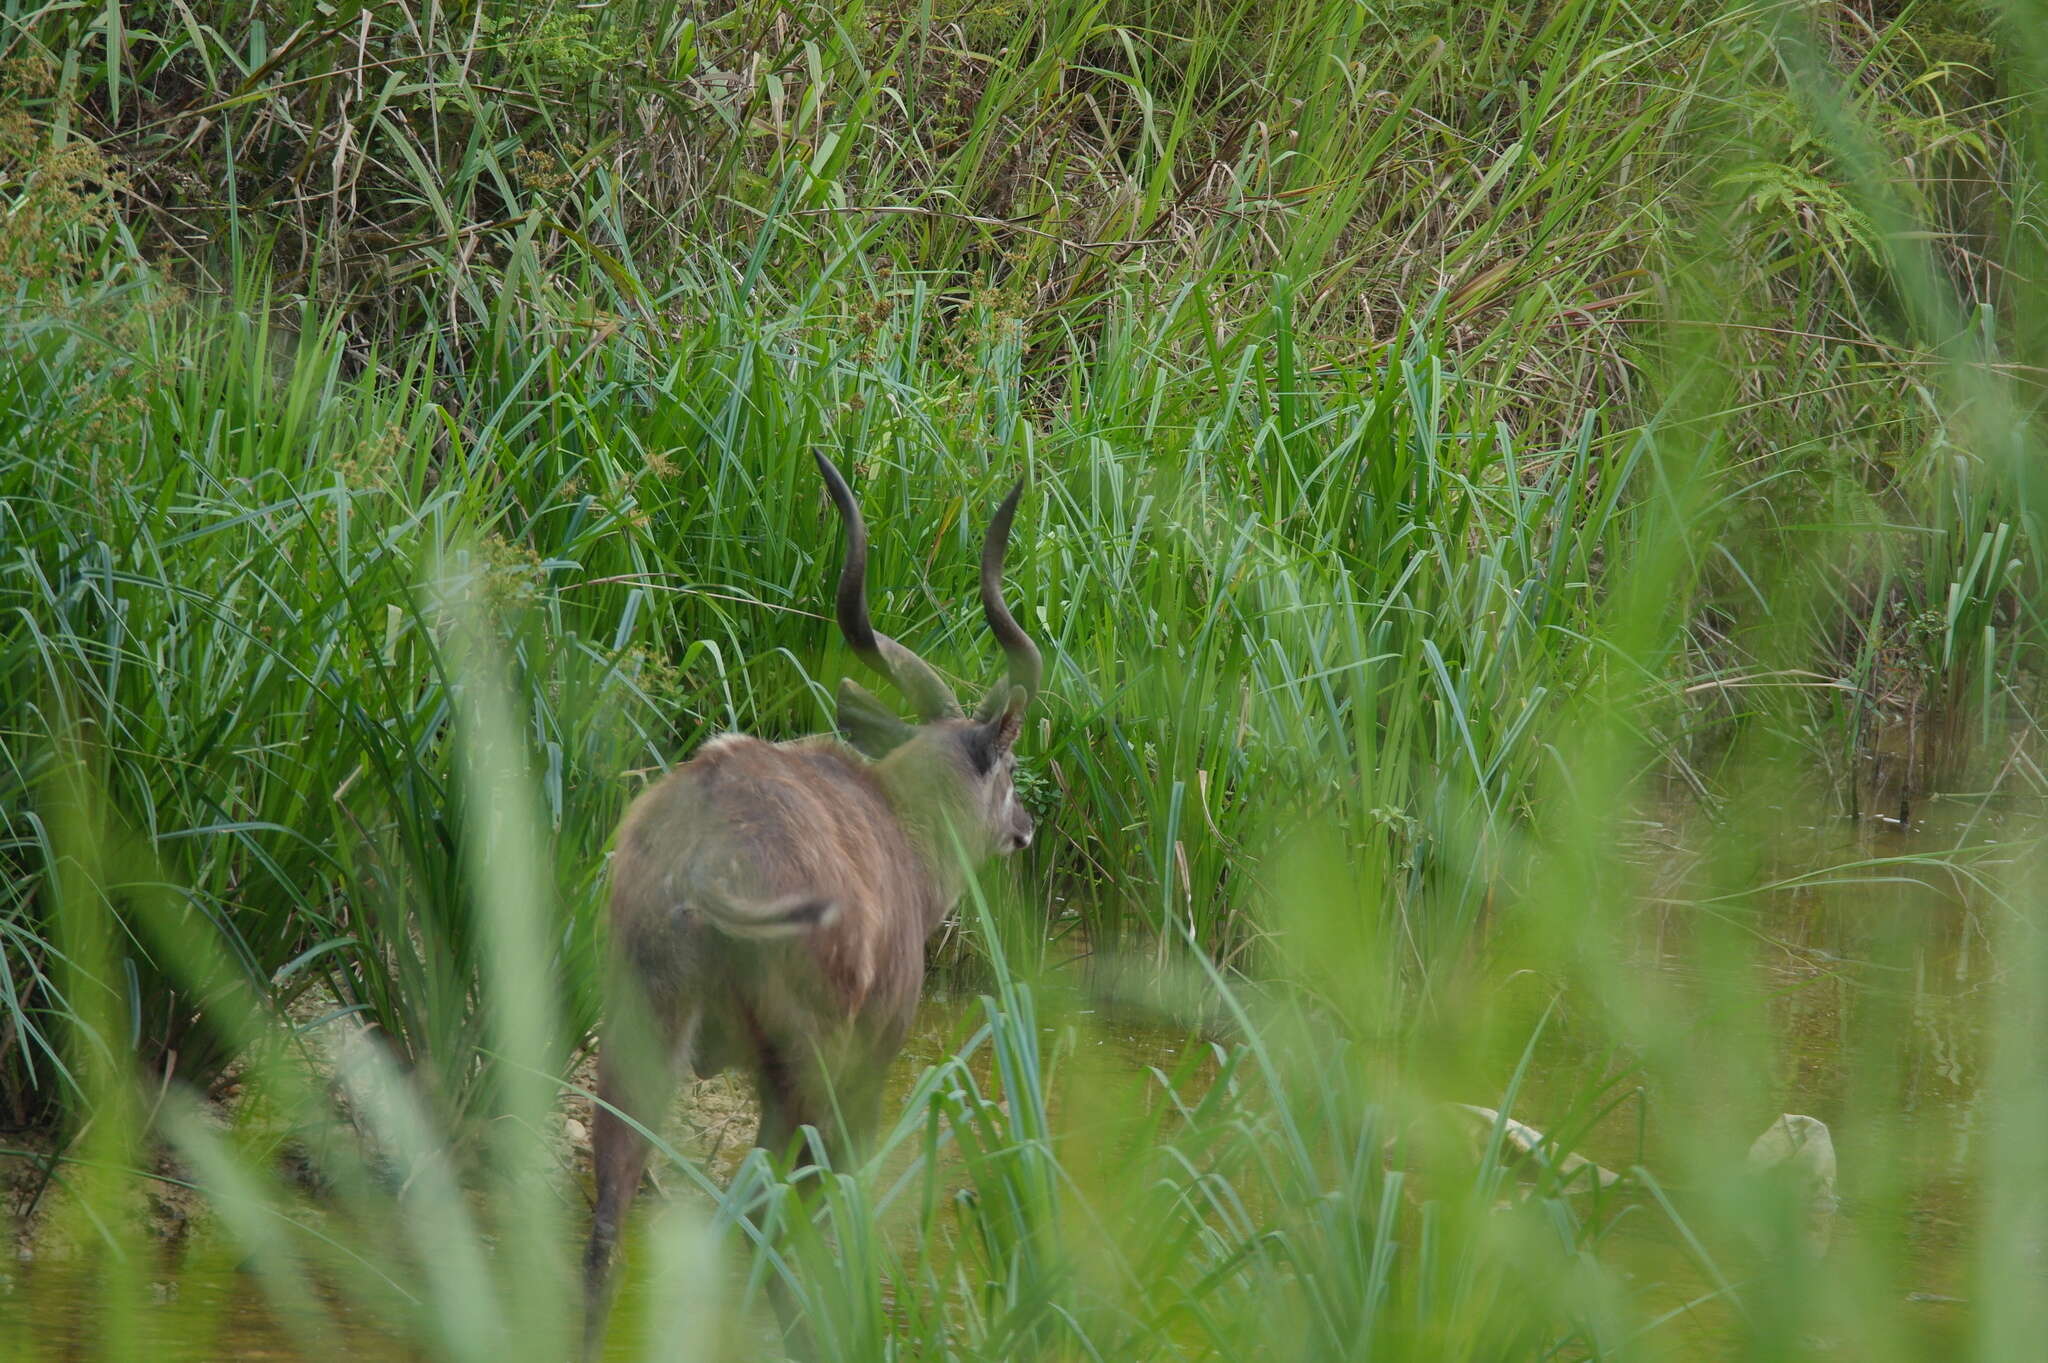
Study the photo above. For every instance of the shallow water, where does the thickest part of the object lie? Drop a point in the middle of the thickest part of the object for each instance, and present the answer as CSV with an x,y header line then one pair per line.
x,y
1875,974
1889,950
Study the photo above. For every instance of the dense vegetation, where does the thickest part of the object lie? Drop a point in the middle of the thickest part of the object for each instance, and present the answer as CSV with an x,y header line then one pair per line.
x,y
1459,433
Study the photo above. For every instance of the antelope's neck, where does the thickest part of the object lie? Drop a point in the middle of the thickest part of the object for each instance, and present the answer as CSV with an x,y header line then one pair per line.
x,y
925,818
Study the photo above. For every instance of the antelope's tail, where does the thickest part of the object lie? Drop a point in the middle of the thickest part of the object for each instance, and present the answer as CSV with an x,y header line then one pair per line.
x,y
764,919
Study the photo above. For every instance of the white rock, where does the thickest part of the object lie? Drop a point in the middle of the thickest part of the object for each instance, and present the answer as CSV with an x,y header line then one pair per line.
x,y
1801,1146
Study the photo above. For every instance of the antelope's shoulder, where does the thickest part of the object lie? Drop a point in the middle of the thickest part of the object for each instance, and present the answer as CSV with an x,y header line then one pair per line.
x,y
725,744
808,780
691,789
743,756
734,744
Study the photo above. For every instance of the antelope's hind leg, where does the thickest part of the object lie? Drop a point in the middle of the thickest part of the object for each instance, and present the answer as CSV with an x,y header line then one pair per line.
x,y
638,1062
794,1088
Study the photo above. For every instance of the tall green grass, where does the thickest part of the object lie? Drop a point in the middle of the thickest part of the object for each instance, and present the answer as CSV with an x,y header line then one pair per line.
x,y
1469,444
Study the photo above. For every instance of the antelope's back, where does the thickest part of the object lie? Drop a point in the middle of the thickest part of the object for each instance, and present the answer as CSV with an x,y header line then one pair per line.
x,y
764,821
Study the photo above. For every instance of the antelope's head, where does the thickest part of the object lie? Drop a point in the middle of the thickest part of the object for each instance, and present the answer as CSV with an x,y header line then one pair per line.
x,y
957,765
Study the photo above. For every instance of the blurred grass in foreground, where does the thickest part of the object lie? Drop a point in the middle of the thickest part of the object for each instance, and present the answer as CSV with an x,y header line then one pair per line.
x,y
1490,506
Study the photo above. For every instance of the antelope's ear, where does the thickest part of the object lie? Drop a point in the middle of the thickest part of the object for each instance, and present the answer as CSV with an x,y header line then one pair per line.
x,y
1003,698
870,726
1000,716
